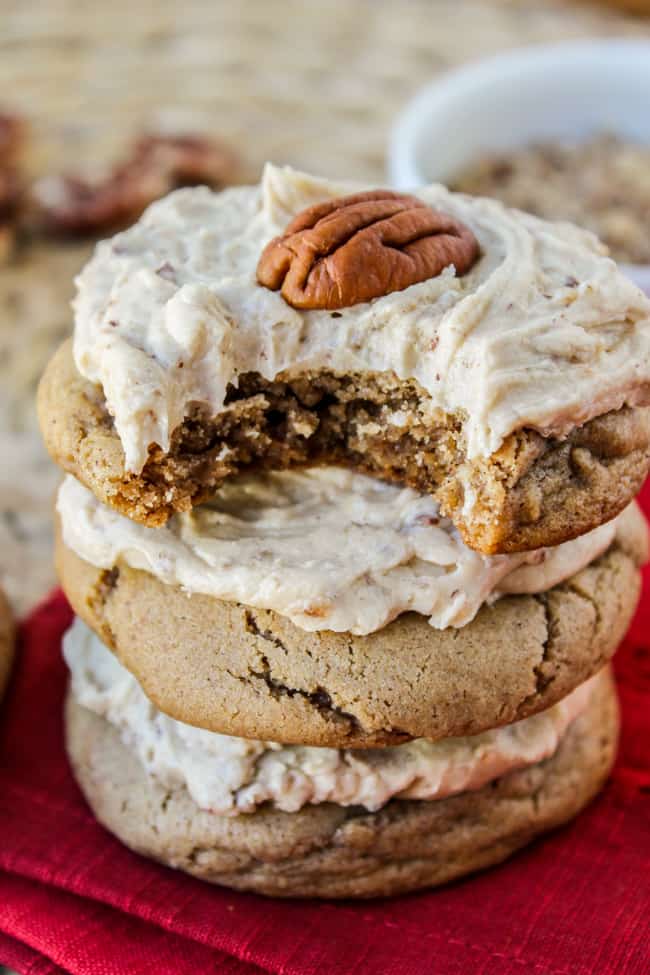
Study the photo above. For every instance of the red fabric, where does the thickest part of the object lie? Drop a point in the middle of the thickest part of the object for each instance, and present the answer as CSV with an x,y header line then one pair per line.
x,y
72,899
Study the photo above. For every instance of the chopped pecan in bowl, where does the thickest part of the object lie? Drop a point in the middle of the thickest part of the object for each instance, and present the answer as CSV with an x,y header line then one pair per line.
x,y
602,184
359,247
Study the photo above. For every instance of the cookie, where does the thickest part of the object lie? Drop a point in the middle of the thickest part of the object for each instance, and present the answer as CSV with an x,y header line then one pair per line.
x,y
533,492
445,342
332,851
7,639
252,673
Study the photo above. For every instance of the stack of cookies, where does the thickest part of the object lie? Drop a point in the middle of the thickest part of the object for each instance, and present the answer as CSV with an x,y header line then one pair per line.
x,y
349,527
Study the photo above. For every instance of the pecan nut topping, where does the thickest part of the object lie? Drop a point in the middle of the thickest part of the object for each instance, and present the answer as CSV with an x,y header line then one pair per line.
x,y
355,248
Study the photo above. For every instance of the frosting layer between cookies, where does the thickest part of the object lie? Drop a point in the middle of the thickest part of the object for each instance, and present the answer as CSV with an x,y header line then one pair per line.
x,y
325,547
543,332
235,775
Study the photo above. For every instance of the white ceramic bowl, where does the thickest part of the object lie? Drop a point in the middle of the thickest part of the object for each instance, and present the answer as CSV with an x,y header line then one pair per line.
x,y
565,91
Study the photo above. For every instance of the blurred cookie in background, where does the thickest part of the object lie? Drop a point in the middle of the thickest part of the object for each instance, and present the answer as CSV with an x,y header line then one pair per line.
x,y
48,225
90,204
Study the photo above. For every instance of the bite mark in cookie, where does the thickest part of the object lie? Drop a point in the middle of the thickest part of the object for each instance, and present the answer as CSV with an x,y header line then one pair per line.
x,y
534,492
412,357
542,332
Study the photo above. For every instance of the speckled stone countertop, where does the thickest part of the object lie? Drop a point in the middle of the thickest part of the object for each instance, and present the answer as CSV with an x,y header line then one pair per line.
x,y
317,85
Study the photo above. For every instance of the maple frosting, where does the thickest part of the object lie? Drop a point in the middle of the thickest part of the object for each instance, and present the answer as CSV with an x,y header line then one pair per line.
x,y
230,775
328,548
543,332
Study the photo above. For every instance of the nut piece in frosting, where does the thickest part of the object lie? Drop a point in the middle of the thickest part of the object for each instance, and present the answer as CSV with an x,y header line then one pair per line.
x,y
355,248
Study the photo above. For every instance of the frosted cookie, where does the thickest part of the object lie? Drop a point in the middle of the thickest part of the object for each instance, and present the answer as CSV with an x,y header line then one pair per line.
x,y
231,668
7,638
473,352
326,822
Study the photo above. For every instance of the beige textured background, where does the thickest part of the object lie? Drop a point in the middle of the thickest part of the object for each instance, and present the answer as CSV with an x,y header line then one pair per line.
x,y
317,84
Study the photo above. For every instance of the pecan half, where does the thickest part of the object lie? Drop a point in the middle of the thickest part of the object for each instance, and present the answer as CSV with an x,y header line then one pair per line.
x,y
71,204
359,247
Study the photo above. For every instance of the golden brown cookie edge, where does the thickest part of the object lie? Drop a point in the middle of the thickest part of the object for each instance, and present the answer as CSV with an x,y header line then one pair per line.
x,y
330,851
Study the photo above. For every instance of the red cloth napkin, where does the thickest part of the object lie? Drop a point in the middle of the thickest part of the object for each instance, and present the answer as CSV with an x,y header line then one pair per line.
x,y
72,899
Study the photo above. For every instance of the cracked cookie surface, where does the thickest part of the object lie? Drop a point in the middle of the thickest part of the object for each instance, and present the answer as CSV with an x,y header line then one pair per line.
x,y
252,673
332,851
533,492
